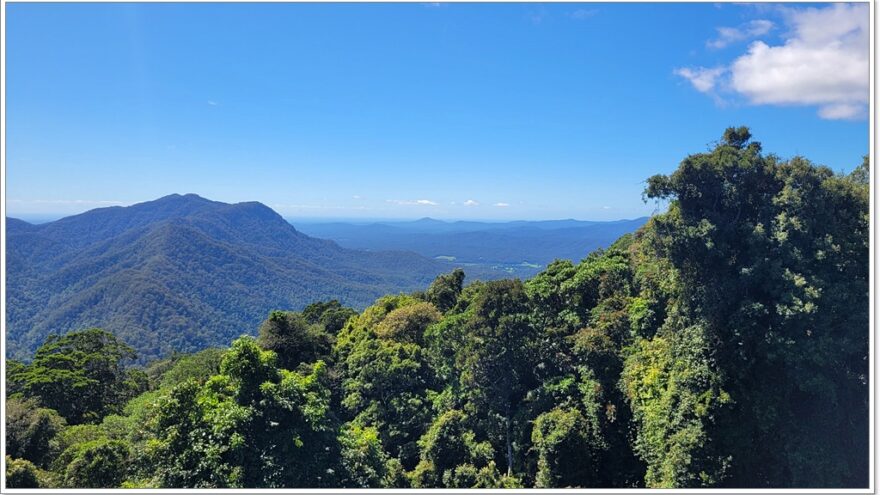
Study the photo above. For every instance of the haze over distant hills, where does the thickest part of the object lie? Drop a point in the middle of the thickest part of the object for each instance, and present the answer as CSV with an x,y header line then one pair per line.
x,y
523,247
184,273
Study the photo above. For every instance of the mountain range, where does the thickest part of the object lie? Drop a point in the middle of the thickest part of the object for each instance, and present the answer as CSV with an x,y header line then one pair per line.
x,y
183,273
521,247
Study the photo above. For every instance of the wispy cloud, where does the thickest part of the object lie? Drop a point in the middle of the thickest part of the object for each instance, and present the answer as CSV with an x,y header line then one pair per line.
x,y
471,202
743,32
824,62
583,14
501,205
86,202
412,202
213,103
703,79
537,16
841,111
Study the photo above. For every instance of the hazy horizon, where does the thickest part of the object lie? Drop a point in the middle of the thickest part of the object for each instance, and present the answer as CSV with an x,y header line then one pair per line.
x,y
39,218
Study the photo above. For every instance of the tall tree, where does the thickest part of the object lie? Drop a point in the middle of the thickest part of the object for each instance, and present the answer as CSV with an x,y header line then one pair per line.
x,y
445,289
499,357
773,262
81,375
294,339
386,374
31,431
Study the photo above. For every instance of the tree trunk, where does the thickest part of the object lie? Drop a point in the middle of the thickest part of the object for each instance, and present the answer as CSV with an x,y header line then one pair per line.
x,y
509,444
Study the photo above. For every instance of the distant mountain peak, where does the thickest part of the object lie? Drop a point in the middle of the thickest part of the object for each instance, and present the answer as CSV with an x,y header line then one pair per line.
x,y
428,220
177,198
257,211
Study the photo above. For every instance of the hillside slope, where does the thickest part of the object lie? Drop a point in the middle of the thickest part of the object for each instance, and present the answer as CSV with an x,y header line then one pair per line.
x,y
184,273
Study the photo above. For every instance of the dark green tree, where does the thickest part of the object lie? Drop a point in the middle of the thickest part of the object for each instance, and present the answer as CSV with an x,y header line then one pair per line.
x,y
499,359
21,473
98,464
561,440
385,386
199,367
364,461
444,291
31,431
15,371
81,375
386,379
451,457
331,315
408,324
772,258
290,335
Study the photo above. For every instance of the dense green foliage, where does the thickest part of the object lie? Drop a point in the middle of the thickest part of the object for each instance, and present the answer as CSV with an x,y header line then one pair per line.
x,y
254,424
21,473
31,431
724,344
770,318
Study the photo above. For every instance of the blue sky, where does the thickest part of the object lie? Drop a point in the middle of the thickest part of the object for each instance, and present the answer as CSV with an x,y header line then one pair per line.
x,y
483,111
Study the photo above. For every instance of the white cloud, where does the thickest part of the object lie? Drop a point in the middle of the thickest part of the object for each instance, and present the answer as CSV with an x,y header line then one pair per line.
x,y
842,111
411,202
212,103
501,205
749,30
823,62
703,79
471,202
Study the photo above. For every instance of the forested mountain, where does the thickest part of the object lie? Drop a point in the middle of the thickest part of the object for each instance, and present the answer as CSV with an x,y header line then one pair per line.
x,y
524,247
724,344
183,273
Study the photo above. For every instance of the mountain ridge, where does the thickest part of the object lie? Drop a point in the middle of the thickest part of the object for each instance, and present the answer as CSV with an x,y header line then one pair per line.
x,y
182,273
535,243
